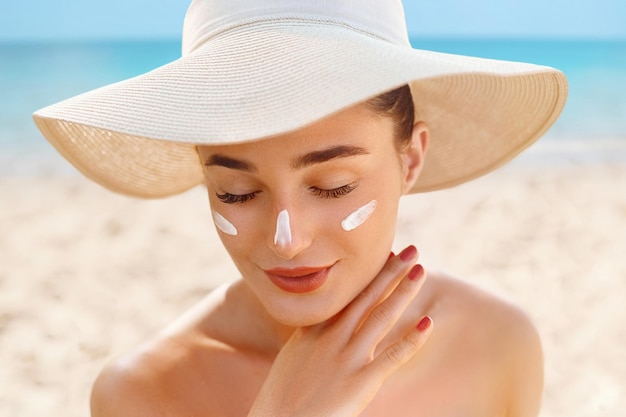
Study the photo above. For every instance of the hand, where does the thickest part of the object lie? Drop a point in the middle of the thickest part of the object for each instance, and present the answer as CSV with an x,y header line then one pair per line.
x,y
333,368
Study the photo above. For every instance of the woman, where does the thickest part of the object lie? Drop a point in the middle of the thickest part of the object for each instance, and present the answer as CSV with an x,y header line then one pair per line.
x,y
307,123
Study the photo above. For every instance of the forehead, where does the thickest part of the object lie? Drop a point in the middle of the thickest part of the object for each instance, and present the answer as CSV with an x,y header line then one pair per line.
x,y
355,126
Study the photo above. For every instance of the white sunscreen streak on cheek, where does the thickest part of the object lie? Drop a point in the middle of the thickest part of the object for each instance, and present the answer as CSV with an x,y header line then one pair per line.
x,y
358,217
283,231
223,224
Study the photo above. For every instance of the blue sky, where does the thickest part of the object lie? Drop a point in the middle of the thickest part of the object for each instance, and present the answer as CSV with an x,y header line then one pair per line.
x,y
79,19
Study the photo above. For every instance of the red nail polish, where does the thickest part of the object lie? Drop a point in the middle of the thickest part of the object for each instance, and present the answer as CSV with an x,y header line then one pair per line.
x,y
424,323
408,253
391,255
416,272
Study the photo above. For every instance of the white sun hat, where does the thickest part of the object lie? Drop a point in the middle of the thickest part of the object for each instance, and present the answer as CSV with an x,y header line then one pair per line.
x,y
252,69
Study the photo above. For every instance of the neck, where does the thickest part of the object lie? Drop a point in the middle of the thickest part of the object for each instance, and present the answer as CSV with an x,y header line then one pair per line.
x,y
262,332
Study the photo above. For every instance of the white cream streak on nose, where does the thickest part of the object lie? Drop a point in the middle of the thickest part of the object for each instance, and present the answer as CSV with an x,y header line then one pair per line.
x,y
356,218
283,231
223,224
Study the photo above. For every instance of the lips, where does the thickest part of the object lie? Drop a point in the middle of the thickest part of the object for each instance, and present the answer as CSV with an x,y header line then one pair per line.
x,y
298,280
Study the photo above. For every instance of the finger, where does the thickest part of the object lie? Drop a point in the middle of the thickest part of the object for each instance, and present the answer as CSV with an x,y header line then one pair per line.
x,y
395,268
385,315
396,355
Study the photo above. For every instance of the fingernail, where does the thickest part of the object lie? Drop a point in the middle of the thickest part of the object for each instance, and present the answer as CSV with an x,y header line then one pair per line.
x,y
416,272
391,255
424,323
408,253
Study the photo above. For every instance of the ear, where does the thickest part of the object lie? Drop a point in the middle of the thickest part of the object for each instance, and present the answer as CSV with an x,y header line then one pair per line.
x,y
413,156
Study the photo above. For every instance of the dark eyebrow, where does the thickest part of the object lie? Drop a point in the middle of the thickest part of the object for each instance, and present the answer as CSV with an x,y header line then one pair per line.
x,y
228,162
310,158
324,155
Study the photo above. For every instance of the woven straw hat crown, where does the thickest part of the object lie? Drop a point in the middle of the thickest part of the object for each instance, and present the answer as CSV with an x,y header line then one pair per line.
x,y
205,19
252,69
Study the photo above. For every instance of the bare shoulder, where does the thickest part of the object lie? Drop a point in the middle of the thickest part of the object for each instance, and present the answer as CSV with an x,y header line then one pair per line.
x,y
181,372
160,378
490,315
126,386
498,335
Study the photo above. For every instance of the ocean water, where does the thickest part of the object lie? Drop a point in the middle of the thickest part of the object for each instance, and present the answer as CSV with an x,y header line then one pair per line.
x,y
596,73
33,75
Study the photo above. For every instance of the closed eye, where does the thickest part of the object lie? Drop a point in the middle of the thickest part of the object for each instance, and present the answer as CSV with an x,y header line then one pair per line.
x,y
335,192
338,192
229,198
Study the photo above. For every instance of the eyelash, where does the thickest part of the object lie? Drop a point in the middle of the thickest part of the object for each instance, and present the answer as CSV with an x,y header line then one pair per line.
x,y
229,198
335,192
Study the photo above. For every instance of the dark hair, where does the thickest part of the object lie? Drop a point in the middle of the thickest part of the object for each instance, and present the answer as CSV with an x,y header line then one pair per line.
x,y
398,105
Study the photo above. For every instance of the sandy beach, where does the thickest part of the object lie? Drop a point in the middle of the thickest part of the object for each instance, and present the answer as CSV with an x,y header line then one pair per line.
x,y
85,274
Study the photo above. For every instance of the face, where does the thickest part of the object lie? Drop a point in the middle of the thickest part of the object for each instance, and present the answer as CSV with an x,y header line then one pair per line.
x,y
308,217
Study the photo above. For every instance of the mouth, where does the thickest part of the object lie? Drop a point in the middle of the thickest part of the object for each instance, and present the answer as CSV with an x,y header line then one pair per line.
x,y
298,280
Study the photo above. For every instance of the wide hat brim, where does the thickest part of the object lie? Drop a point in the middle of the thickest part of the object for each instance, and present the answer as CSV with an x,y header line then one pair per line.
x,y
138,137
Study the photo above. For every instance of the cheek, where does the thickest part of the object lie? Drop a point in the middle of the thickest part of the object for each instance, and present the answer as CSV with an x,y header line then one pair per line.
x,y
236,229
235,223
371,224
224,224
359,216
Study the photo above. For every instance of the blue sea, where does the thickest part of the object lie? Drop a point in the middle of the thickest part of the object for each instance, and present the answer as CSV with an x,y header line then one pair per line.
x,y
33,75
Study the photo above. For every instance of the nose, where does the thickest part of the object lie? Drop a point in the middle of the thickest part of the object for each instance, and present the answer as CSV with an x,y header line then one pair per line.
x,y
286,241
282,237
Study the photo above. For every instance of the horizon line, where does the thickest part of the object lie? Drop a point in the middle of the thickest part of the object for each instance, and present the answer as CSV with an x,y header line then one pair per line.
x,y
455,38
